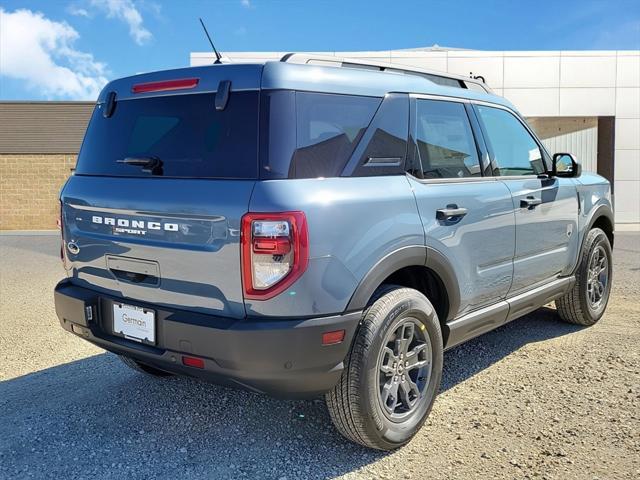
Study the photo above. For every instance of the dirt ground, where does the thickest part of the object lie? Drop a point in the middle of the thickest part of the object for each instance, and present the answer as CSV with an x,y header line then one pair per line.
x,y
536,398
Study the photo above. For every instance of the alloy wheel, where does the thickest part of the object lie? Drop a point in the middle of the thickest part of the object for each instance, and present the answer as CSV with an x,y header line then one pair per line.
x,y
597,278
404,368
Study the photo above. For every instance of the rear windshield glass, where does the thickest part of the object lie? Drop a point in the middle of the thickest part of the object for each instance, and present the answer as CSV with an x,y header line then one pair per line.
x,y
309,135
184,132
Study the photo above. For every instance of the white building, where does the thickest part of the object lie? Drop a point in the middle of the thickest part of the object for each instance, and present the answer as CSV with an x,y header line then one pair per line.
x,y
584,102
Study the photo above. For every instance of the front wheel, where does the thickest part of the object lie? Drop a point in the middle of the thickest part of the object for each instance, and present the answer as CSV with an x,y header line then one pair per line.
x,y
392,374
586,302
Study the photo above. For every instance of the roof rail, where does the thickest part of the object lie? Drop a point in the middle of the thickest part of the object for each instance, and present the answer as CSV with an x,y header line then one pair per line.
x,y
435,76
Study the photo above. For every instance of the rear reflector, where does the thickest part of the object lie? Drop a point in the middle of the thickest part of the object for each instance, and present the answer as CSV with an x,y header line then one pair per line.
x,y
273,246
193,362
163,86
331,338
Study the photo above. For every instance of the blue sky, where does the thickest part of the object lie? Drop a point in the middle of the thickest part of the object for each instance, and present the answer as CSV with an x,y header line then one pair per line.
x,y
67,49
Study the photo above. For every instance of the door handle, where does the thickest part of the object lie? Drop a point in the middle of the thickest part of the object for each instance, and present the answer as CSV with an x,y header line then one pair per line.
x,y
530,202
451,212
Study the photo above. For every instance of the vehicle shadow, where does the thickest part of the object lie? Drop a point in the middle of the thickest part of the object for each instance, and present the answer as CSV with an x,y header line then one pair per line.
x,y
96,418
465,360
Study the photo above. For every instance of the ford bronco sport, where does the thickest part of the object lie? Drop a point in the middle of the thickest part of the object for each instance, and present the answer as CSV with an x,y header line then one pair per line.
x,y
300,228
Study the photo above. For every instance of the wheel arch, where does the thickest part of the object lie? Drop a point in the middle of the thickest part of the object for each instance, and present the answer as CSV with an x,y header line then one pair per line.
x,y
600,217
603,219
420,267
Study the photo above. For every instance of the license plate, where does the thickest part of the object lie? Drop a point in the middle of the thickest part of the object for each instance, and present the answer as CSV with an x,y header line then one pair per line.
x,y
135,323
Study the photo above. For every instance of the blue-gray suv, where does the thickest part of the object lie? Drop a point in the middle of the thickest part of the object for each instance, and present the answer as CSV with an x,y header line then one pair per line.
x,y
307,228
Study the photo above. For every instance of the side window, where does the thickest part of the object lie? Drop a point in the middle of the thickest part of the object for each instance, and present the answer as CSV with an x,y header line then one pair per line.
x,y
445,142
383,148
328,128
515,152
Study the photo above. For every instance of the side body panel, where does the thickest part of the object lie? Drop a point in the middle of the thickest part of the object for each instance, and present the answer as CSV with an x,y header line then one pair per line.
x,y
594,196
480,246
547,239
353,224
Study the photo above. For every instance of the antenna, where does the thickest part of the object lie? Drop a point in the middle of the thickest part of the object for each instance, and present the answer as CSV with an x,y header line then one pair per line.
x,y
218,57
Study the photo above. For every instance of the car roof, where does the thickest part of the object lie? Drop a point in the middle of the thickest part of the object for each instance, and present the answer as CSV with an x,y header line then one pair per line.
x,y
276,75
357,81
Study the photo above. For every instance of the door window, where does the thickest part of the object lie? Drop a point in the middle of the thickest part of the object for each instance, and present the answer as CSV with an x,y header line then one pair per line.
x,y
515,152
445,142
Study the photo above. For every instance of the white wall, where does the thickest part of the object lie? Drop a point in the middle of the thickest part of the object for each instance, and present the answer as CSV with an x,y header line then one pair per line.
x,y
542,84
577,135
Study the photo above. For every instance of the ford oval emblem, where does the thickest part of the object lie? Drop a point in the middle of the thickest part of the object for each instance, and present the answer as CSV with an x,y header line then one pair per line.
x,y
73,248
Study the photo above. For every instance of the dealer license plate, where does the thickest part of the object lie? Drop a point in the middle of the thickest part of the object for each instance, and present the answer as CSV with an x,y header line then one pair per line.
x,y
135,323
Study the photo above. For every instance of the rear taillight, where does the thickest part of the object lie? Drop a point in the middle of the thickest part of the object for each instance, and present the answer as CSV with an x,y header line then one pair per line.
x,y
275,252
61,227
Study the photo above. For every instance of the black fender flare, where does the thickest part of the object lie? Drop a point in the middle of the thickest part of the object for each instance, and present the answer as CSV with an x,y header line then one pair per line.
x,y
602,210
415,255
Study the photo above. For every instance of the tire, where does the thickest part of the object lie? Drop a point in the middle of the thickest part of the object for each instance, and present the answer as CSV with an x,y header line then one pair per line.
x,y
578,305
142,368
363,405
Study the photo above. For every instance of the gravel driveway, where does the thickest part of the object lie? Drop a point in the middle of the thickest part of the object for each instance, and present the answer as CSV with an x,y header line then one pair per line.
x,y
535,398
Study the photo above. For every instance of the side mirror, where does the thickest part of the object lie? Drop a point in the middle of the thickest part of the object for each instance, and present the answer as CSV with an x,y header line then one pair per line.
x,y
566,165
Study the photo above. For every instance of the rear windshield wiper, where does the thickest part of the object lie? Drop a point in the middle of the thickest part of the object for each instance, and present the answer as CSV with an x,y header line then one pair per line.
x,y
150,164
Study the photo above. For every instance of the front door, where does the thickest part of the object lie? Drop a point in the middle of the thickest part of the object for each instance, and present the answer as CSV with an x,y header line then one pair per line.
x,y
546,209
468,218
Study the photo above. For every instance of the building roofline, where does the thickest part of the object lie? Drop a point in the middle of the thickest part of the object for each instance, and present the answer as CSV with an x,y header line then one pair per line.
x,y
47,102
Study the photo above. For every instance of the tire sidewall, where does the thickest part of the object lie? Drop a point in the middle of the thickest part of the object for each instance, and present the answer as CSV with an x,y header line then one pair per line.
x,y
391,433
599,239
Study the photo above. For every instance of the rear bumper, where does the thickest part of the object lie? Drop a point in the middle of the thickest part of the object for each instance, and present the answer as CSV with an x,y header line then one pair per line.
x,y
280,357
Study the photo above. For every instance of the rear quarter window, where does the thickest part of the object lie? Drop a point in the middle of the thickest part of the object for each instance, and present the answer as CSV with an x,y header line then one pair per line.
x,y
310,135
186,132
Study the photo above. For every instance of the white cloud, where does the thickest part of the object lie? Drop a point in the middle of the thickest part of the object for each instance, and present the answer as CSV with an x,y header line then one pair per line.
x,y
41,52
126,11
246,3
78,11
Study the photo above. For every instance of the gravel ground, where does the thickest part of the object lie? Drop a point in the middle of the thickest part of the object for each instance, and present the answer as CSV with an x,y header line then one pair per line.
x,y
534,399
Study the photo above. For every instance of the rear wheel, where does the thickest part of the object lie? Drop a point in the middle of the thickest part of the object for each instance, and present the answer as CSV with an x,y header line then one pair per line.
x,y
392,373
586,302
142,368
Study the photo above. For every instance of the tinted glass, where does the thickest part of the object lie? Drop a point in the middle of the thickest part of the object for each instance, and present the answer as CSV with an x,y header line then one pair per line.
x,y
445,142
515,152
277,133
384,145
328,127
186,132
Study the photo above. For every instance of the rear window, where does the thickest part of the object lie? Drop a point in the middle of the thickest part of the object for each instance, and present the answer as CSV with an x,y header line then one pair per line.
x,y
310,135
185,132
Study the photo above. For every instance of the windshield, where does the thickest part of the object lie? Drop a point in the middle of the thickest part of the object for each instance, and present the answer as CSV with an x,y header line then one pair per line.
x,y
185,132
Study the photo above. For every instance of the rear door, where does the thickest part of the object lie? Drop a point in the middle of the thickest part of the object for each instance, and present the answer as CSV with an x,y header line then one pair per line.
x,y
546,209
153,210
468,218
